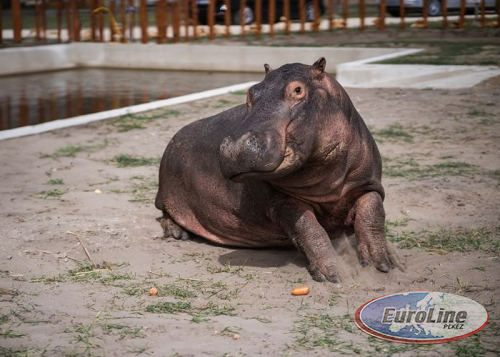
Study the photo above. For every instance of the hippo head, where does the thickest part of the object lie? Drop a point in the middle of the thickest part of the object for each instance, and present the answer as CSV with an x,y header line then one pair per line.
x,y
283,125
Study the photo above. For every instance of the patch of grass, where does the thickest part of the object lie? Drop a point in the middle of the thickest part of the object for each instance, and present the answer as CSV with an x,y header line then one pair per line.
x,y
55,182
410,169
199,314
177,291
470,347
168,307
223,103
449,53
477,112
125,331
144,191
323,331
7,332
385,348
50,194
22,352
86,335
131,121
88,273
49,280
113,277
126,160
403,222
66,151
72,150
451,240
137,289
240,92
334,299
394,132
226,268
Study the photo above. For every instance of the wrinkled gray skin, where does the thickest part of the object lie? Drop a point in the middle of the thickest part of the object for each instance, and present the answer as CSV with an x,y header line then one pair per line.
x,y
295,165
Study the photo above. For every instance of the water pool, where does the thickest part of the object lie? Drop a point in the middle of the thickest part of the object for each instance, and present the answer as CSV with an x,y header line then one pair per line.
x,y
38,98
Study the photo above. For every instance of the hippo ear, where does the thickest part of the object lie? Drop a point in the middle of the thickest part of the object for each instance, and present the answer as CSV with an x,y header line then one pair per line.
x,y
268,68
319,66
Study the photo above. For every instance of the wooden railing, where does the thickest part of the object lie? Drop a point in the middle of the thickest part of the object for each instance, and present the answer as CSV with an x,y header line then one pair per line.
x,y
177,20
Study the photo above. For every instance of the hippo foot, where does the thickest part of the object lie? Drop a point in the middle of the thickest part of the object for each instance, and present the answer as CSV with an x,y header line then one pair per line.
x,y
325,274
172,229
384,261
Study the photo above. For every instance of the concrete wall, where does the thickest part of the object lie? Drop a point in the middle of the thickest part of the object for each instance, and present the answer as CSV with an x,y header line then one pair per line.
x,y
34,59
174,57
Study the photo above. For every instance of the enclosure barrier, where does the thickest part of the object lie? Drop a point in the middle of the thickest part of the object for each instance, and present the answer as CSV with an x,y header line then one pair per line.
x,y
165,21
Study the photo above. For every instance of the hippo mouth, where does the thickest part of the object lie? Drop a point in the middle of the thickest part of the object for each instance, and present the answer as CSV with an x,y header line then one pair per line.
x,y
291,161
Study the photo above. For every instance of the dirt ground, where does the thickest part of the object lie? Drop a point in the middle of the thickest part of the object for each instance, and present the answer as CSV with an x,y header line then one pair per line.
x,y
81,247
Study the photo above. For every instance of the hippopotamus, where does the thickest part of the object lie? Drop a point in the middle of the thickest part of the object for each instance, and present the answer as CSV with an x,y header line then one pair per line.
x,y
294,166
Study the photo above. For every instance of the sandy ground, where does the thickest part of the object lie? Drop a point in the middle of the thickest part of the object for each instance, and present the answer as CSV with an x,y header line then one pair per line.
x,y
80,246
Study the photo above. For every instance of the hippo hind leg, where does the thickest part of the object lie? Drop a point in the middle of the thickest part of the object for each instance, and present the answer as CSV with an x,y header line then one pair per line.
x,y
172,229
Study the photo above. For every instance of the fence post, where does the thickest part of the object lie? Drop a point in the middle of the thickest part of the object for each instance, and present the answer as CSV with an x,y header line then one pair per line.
x,y
258,16
185,16
123,21
317,16
77,26
345,13
130,12
69,23
93,5
425,13
483,9
100,17
302,16
17,24
1,41
362,15
445,13
227,18
243,4
38,24
210,22
286,13
331,14
194,12
461,21
59,21
272,16
498,13
143,18
381,24
161,20
176,20
402,14
44,20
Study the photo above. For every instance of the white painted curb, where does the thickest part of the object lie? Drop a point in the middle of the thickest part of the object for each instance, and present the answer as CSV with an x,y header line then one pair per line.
x,y
85,119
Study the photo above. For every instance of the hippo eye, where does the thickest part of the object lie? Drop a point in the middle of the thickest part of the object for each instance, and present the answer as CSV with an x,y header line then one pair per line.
x,y
296,91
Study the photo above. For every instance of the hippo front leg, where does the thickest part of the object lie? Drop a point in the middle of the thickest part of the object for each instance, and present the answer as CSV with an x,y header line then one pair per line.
x,y
299,223
369,228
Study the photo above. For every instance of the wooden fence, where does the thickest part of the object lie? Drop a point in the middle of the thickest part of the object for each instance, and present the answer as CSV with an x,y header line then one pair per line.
x,y
177,20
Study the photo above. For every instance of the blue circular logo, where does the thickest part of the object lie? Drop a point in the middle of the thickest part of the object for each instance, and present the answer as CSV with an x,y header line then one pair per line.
x,y
421,317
